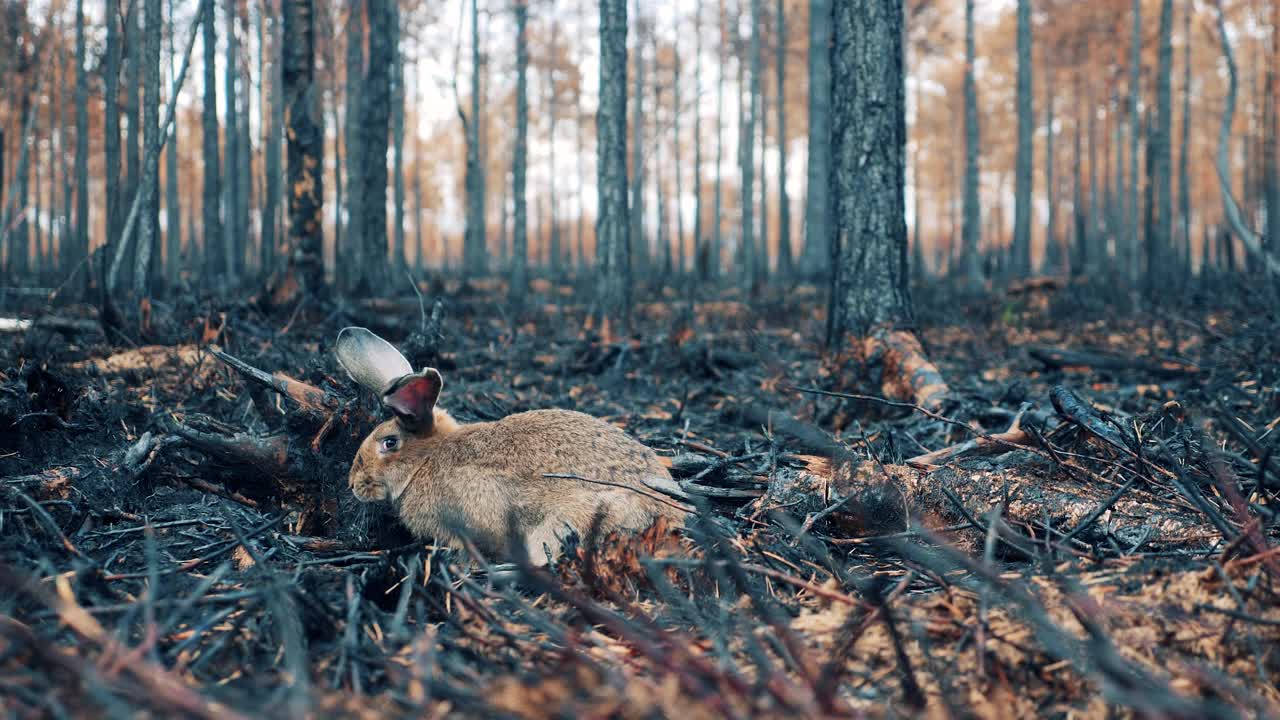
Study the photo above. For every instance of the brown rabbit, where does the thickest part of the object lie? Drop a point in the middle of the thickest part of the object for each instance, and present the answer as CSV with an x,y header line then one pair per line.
x,y
445,476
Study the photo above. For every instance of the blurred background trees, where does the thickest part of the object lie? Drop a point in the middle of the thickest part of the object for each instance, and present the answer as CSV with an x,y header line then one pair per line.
x,y
1042,136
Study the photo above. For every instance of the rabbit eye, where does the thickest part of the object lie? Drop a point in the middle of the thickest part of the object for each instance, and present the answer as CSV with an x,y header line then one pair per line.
x,y
390,442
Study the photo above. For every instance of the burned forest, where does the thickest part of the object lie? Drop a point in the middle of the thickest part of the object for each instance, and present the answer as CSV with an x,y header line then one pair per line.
x,y
640,359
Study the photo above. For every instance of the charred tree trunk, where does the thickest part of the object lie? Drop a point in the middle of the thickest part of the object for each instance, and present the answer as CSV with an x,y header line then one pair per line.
x,y
751,270
784,201
271,164
871,301
397,146
172,200
305,146
637,244
111,123
351,255
612,222
682,257
1050,180
81,245
214,256
1026,123
1133,242
519,160
375,120
149,222
473,244
699,259
869,138
817,213
233,233
1184,177
717,230
1158,247
971,227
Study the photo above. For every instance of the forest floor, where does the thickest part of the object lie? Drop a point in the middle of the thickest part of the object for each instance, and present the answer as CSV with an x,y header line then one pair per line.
x,y
1098,532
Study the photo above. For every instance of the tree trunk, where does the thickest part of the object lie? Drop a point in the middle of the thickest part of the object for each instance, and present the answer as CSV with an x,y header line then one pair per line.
x,y
1252,242
682,256
305,145
351,255
397,135
233,232
81,245
612,243
132,104
1050,181
869,138
1271,129
1026,125
784,202
554,251
215,258
519,160
699,258
817,213
717,240
1089,248
149,220
1159,246
637,244
473,244
244,143
271,164
1134,240
761,111
375,121
972,215
1184,178
172,200
748,152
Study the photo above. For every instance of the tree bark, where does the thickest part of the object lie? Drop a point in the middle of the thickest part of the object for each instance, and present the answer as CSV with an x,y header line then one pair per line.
x,y
351,255
473,245
676,112
638,246
519,160
397,135
80,250
717,230
305,145
817,213
612,222
271,164
215,259
132,105
1026,125
172,200
1184,178
869,139
375,121
233,241
149,223
784,201
1252,242
748,153
1158,247
699,257
1050,181
971,228
1133,241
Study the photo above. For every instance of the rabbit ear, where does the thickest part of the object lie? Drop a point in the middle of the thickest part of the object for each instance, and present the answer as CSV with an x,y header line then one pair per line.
x,y
371,361
413,399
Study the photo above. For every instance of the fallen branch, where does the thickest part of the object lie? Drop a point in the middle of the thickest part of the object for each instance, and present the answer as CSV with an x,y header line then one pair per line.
x,y
1057,359
311,400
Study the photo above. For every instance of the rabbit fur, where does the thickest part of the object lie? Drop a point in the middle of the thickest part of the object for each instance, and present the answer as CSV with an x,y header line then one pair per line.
x,y
486,482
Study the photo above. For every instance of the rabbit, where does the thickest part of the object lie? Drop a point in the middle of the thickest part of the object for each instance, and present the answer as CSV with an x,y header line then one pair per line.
x,y
445,476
